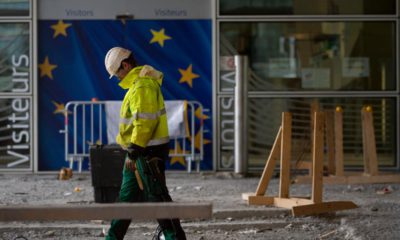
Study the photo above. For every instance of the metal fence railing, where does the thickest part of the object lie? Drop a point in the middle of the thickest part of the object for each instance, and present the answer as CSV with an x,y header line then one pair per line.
x,y
85,124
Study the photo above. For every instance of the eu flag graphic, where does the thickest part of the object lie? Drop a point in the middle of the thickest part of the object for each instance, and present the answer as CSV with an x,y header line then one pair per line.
x,y
71,68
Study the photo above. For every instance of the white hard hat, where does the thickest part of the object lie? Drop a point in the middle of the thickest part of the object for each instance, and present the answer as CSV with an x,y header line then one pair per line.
x,y
114,58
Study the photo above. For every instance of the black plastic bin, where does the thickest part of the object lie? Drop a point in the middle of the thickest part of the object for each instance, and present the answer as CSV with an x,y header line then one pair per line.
x,y
106,164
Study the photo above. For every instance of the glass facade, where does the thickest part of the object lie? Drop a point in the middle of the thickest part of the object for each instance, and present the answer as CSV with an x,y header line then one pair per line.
x,y
316,56
307,7
14,57
310,60
265,116
265,119
16,86
14,8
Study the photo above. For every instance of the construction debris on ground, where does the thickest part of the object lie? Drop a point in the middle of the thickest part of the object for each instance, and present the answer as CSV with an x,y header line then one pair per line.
x,y
378,215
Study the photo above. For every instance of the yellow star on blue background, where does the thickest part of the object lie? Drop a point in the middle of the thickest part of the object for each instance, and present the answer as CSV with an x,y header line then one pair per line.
x,y
197,143
60,28
60,108
188,75
178,159
159,36
46,68
199,114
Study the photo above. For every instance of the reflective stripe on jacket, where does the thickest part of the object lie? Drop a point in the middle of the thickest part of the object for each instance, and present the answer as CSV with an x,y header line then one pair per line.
x,y
143,119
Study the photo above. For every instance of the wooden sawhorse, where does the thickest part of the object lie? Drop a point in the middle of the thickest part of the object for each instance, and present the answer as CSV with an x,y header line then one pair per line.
x,y
282,149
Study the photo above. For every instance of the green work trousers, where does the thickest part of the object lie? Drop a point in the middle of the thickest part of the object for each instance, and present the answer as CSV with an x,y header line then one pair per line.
x,y
155,190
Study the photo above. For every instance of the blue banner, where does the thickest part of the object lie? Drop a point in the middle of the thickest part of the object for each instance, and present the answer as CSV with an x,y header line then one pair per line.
x,y
71,68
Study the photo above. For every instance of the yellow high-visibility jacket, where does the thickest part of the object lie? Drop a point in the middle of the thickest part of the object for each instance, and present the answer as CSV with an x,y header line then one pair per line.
x,y
143,119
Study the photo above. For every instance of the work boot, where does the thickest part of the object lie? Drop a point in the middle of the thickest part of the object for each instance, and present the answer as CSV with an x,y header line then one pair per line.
x,y
167,234
158,234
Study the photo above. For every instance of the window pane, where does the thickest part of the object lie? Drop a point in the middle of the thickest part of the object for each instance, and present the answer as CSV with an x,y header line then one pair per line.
x,y
306,7
15,8
307,56
15,137
14,58
265,119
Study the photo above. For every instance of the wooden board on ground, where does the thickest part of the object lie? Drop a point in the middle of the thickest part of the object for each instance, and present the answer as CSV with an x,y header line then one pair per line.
x,y
324,207
299,206
140,211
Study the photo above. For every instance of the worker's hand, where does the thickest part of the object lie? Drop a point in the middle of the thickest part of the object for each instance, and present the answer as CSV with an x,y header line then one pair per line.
x,y
134,151
130,164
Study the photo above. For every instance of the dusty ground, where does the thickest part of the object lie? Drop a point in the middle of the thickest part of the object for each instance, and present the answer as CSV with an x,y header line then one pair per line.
x,y
378,215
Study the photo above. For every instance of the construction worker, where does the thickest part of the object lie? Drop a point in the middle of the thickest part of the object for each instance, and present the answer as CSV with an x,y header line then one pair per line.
x,y
143,132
